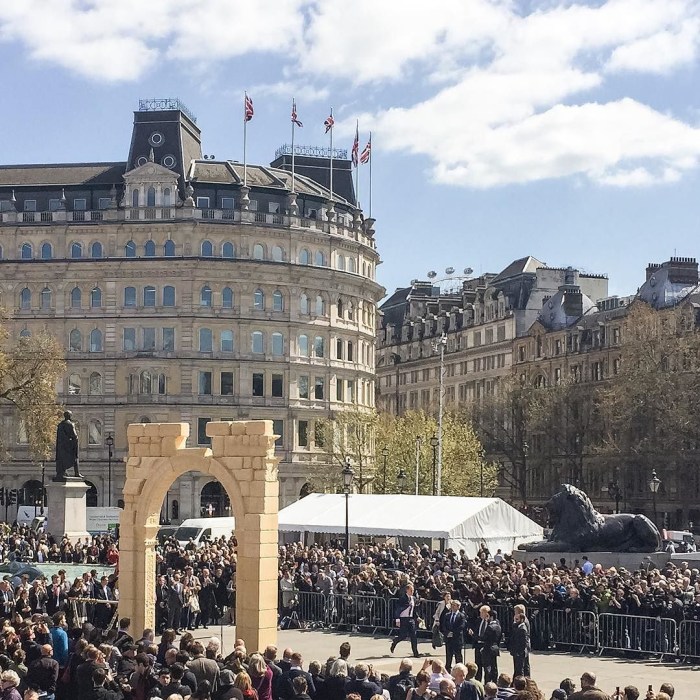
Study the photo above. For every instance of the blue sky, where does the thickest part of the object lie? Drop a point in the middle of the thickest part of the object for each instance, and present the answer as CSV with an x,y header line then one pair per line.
x,y
501,128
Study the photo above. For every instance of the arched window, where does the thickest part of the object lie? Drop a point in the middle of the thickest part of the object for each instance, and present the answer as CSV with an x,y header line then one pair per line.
x,y
168,295
145,382
319,346
304,345
259,299
91,495
277,253
96,250
135,198
96,298
175,510
341,262
27,251
167,197
227,250
76,298
94,432
151,197
320,306
303,304
45,298
149,295
25,299
130,249
207,249
129,296
169,249
95,340
351,311
162,384
340,308
205,340
351,264
277,301
277,344
227,298
320,259
351,351
304,257
75,384
75,341
226,341
258,251
205,296
144,419
76,250
258,342
95,388
46,251
149,250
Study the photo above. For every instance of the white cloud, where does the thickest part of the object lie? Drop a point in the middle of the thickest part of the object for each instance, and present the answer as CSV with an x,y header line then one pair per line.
x,y
491,96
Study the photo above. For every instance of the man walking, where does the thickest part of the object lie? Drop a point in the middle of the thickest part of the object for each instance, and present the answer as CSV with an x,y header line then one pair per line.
x,y
486,645
407,619
519,645
452,624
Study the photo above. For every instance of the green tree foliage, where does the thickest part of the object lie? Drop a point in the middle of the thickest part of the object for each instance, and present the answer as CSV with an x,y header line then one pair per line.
x,y
463,463
29,370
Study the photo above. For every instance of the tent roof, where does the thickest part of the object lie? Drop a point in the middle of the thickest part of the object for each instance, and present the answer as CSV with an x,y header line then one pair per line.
x,y
404,515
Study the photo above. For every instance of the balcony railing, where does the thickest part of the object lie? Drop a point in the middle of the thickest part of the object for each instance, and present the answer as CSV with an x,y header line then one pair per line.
x,y
339,227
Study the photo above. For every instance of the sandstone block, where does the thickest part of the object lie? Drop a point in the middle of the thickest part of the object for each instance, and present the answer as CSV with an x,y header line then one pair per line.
x,y
218,444
244,488
218,428
156,449
259,427
151,430
174,429
238,428
171,445
142,449
264,488
231,446
244,475
135,430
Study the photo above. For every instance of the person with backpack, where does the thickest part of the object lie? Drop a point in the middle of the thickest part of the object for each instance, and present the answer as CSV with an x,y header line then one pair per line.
x,y
400,684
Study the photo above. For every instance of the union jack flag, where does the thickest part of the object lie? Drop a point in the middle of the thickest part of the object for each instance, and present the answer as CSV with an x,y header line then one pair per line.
x,y
366,152
356,146
248,109
294,114
329,123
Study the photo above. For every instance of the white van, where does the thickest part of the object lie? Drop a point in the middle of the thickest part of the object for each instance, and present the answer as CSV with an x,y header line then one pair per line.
x,y
200,529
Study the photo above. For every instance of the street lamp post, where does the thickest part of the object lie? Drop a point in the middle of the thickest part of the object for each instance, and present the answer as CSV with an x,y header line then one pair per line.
x,y
526,451
419,442
654,484
401,479
615,493
434,443
440,344
385,454
481,477
110,453
43,486
348,475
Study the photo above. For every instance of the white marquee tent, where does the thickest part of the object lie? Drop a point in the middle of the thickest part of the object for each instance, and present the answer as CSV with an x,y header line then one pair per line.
x,y
461,523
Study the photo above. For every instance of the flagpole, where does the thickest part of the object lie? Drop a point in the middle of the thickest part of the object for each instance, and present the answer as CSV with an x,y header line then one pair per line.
x,y
293,125
357,164
245,138
331,179
370,174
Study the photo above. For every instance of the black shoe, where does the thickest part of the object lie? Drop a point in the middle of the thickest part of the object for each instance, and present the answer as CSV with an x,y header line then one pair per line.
x,y
393,646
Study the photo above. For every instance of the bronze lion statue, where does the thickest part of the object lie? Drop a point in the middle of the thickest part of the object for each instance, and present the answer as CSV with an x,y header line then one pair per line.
x,y
579,527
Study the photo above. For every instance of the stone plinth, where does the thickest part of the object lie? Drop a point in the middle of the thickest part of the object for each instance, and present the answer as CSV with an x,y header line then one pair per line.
x,y
630,561
66,503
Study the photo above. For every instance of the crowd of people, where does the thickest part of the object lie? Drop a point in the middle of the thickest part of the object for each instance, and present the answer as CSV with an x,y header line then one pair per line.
x,y
451,595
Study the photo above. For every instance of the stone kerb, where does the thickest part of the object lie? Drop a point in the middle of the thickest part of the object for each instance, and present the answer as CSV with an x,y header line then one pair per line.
x,y
242,458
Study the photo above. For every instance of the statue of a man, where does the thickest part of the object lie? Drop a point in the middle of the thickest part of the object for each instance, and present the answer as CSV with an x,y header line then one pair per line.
x,y
66,448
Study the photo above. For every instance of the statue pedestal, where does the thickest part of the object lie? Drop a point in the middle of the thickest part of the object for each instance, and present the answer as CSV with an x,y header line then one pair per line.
x,y
66,503
629,560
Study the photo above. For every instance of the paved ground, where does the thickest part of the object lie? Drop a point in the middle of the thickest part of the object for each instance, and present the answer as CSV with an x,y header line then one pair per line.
x,y
547,668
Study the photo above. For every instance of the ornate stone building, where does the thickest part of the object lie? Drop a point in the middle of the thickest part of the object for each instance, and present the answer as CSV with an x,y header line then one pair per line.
x,y
480,323
180,294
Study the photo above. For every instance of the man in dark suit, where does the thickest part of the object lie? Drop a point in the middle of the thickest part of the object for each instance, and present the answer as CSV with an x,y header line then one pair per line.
x,y
407,616
162,595
486,645
452,623
175,602
103,611
519,644
56,601
296,670
42,674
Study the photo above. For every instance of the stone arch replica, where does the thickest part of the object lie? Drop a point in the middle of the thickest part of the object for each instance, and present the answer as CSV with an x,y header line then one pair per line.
x,y
242,458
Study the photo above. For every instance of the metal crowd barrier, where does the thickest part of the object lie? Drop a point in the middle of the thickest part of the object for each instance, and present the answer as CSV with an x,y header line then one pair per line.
x,y
334,610
576,628
648,635
689,639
